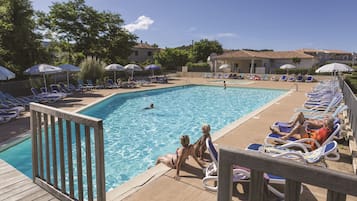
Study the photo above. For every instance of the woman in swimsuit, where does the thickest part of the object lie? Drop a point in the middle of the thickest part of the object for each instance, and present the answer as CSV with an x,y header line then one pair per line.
x,y
176,160
200,144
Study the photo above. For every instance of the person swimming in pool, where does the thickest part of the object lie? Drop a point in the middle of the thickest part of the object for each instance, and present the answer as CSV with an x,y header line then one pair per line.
x,y
176,160
150,107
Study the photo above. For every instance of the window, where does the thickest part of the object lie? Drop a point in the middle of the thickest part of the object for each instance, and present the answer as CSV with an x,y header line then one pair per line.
x,y
149,53
136,53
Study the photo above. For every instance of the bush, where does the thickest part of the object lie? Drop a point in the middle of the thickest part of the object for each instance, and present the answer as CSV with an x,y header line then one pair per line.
x,y
296,71
91,69
198,67
351,80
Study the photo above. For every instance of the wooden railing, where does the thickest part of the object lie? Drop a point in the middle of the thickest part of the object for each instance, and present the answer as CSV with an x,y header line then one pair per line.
x,y
56,136
338,184
351,101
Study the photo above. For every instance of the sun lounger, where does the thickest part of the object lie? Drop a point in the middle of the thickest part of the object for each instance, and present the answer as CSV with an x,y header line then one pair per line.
x,y
303,143
45,97
240,174
283,78
327,151
299,78
291,79
309,78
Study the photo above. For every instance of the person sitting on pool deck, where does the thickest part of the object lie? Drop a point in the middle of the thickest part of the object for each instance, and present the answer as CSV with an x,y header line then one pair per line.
x,y
150,107
176,160
200,144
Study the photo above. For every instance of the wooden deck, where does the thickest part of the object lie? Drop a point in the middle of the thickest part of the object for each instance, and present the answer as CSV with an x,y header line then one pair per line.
x,y
16,186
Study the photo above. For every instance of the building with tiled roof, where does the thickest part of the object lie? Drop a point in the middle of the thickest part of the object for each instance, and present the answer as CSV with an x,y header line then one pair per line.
x,y
246,61
143,52
329,56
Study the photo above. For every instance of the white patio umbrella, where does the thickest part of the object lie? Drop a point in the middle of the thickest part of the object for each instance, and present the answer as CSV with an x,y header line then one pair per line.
x,y
334,67
6,74
287,67
68,68
114,68
132,68
42,69
224,66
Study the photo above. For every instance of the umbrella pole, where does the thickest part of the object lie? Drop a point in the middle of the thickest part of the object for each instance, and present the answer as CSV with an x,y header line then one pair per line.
x,y
115,77
44,80
67,79
132,75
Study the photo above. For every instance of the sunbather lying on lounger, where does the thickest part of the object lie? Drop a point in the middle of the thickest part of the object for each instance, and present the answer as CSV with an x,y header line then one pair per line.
x,y
300,131
309,123
176,160
200,145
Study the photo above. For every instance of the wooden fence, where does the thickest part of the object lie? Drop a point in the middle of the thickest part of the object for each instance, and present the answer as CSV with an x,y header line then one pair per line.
x,y
56,137
338,184
351,101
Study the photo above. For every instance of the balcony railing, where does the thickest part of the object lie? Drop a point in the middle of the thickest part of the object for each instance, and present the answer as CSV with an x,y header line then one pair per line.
x,y
63,151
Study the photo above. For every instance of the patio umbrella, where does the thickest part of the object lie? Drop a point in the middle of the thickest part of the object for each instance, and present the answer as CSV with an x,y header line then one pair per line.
x,y
132,68
114,68
6,74
68,68
334,67
287,67
152,67
42,69
224,66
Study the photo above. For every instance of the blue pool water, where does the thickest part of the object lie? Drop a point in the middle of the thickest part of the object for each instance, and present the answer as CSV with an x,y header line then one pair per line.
x,y
135,137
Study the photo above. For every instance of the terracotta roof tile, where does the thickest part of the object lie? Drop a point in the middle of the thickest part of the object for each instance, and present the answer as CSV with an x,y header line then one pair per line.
x,y
244,54
323,51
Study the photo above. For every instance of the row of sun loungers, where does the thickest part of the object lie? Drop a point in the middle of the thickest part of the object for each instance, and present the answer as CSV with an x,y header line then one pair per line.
x,y
291,78
327,100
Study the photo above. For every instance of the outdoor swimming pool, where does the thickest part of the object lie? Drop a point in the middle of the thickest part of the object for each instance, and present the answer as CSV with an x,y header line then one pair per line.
x,y
135,137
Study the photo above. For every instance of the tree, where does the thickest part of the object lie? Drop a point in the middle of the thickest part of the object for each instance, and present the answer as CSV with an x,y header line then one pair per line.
x,y
296,60
19,45
88,31
204,48
171,58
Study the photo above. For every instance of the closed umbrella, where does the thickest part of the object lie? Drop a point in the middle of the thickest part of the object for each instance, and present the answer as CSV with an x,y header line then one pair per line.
x,y
114,68
6,74
152,67
132,68
68,68
42,69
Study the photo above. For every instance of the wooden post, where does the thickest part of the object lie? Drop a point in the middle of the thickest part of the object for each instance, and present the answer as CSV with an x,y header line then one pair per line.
x,y
225,180
256,186
34,144
79,162
69,158
61,150
54,152
88,164
99,156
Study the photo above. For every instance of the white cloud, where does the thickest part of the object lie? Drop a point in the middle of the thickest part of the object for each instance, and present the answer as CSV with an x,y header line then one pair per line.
x,y
142,23
192,29
226,35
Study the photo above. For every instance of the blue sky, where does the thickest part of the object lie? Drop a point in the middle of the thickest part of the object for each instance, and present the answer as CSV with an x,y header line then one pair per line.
x,y
237,24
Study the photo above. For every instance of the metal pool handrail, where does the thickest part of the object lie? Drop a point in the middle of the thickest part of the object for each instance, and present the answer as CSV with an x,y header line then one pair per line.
x,y
44,163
